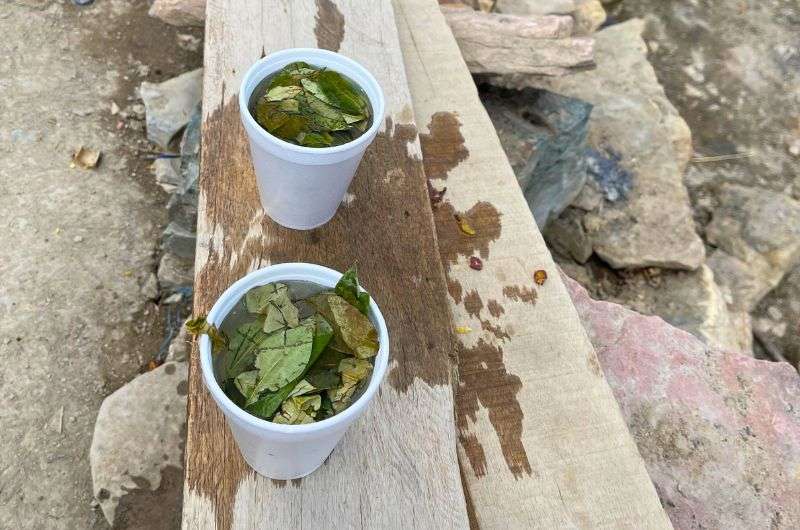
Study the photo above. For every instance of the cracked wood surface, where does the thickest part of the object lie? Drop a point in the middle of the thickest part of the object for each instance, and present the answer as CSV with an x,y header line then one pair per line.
x,y
542,443
397,467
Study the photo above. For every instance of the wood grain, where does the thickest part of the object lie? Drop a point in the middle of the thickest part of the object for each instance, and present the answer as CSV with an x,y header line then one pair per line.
x,y
397,467
541,440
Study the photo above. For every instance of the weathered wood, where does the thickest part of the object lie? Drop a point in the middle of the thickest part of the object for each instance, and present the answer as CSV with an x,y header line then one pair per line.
x,y
541,439
397,467
497,44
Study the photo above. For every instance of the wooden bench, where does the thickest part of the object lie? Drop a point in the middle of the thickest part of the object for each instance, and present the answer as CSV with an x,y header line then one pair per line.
x,y
511,425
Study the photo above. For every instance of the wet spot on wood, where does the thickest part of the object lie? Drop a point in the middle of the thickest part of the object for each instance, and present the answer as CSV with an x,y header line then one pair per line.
x,y
497,331
483,217
475,453
443,145
520,293
169,369
483,379
455,290
296,482
473,303
471,515
495,309
484,382
329,28
182,388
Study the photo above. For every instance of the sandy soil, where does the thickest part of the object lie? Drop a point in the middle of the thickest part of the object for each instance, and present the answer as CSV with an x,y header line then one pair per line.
x,y
75,246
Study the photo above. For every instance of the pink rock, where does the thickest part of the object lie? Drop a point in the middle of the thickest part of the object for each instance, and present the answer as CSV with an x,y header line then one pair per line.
x,y
719,432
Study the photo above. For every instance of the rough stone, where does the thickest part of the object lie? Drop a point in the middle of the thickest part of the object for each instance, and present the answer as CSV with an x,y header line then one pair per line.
x,y
776,320
633,125
493,43
589,15
179,241
150,287
167,173
757,232
182,205
180,12
175,273
689,300
536,7
719,67
170,105
139,434
190,151
180,346
590,198
719,432
741,284
566,236
544,137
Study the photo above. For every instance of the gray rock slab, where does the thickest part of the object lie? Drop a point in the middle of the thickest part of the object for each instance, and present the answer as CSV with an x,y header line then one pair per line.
x,y
566,235
178,240
139,436
544,136
167,173
757,234
175,273
190,151
170,105
634,125
733,73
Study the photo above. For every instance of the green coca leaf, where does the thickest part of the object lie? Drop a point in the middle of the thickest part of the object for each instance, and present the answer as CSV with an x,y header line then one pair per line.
x,y
312,107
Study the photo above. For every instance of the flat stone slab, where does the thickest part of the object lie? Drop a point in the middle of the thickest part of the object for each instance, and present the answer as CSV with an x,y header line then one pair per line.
x,y
719,432
170,105
137,448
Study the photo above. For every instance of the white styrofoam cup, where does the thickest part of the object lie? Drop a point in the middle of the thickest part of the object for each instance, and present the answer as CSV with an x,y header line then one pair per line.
x,y
287,451
302,187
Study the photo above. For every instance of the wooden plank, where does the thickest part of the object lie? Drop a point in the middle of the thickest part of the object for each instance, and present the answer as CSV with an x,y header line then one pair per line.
x,y
397,467
541,440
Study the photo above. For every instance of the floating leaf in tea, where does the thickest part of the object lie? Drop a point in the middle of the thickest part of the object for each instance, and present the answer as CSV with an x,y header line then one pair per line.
x,y
297,360
312,107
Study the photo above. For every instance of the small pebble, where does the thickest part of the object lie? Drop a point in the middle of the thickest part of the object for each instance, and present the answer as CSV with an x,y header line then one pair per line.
x,y
77,239
475,263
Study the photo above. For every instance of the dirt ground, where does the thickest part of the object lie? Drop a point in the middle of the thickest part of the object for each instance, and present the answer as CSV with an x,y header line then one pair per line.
x,y
76,245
